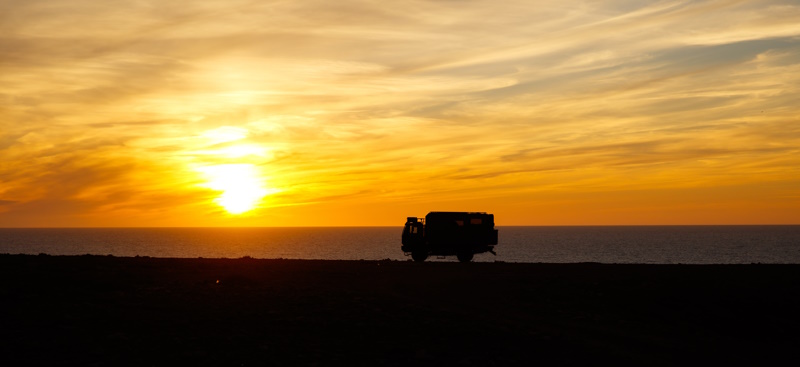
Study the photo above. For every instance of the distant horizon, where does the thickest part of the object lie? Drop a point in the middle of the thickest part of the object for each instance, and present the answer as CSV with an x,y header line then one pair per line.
x,y
401,226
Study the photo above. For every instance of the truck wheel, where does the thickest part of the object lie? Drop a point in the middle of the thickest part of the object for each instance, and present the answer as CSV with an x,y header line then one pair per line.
x,y
419,256
464,257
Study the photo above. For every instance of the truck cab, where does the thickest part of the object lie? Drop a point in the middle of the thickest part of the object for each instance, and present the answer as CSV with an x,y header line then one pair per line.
x,y
462,234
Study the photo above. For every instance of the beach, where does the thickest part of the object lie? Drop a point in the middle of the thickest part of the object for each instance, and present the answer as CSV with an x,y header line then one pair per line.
x,y
111,311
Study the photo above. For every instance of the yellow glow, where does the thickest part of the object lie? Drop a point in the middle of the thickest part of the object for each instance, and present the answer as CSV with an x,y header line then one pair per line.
x,y
225,134
242,188
239,151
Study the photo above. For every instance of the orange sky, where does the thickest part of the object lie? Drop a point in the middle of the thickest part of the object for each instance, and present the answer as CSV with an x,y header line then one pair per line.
x,y
315,113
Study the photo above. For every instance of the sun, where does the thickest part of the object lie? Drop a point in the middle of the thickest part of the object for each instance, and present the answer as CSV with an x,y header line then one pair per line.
x,y
241,186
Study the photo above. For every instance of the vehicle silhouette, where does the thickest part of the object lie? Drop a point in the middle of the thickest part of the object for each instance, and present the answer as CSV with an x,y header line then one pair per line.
x,y
462,234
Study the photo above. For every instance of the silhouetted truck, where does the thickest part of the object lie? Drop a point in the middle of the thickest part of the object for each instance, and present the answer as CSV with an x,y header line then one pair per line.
x,y
462,234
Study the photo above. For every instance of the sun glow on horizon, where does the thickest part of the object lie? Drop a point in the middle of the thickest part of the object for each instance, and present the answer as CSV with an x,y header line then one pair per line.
x,y
242,188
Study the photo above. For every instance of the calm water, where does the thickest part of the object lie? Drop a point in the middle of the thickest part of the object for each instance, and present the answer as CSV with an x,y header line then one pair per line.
x,y
618,244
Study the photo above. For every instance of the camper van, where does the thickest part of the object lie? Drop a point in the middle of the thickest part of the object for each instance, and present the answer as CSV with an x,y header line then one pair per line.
x,y
460,234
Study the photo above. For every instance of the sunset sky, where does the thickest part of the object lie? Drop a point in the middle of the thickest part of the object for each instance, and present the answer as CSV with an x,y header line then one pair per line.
x,y
328,113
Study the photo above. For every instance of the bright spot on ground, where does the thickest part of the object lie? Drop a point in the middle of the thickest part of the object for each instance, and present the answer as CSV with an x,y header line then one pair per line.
x,y
242,187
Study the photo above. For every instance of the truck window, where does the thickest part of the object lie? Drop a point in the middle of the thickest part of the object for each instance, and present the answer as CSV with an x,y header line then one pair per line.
x,y
460,223
476,221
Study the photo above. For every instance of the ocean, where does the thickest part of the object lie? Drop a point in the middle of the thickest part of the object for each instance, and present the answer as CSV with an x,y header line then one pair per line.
x,y
602,244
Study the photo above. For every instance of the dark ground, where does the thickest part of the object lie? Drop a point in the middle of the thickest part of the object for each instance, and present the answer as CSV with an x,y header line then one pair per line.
x,y
109,311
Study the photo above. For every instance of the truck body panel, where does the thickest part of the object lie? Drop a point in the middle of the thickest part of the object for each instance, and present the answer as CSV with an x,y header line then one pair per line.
x,y
462,234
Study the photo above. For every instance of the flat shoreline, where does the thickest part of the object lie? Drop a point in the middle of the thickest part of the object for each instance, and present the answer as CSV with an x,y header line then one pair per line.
x,y
103,310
